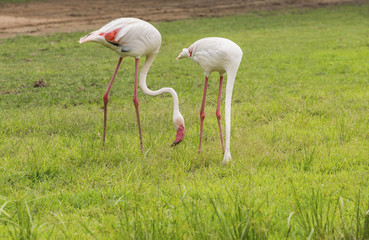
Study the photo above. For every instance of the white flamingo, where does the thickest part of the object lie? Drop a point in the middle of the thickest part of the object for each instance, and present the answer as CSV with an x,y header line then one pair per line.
x,y
224,56
132,37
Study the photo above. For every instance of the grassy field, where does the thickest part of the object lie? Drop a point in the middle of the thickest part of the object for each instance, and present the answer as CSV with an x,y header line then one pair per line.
x,y
300,135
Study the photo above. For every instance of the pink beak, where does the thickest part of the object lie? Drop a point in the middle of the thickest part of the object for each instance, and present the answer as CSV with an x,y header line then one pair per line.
x,y
180,136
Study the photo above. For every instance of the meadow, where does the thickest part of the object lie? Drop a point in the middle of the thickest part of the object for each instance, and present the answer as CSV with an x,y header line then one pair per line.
x,y
300,135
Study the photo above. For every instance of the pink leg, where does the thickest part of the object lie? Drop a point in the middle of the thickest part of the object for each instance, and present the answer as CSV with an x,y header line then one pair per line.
x,y
202,113
106,98
135,101
218,111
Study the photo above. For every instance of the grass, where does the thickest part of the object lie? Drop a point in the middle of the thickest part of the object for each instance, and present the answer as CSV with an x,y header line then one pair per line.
x,y
300,135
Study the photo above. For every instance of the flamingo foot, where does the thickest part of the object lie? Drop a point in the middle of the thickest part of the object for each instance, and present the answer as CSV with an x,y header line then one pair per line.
x,y
227,158
179,137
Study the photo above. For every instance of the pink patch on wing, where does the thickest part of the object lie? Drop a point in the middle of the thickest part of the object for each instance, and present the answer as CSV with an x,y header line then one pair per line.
x,y
110,36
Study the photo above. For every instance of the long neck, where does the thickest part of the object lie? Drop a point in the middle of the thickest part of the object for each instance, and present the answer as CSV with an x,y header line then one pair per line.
x,y
143,73
231,75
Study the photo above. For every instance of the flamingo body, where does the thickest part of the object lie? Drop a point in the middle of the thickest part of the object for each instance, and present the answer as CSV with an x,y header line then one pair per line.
x,y
132,37
127,37
223,56
214,54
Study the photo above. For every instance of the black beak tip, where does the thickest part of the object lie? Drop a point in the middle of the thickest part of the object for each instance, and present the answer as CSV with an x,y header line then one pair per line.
x,y
175,143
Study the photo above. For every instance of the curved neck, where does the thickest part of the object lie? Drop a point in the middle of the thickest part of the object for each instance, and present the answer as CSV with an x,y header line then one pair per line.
x,y
143,73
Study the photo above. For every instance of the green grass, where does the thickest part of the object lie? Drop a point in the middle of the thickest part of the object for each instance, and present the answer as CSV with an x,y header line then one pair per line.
x,y
300,135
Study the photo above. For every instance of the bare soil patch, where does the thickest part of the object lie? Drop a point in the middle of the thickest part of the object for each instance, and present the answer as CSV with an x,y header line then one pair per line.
x,y
39,83
40,18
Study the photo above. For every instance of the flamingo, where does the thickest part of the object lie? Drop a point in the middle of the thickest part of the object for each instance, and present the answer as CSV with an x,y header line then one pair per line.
x,y
224,56
132,37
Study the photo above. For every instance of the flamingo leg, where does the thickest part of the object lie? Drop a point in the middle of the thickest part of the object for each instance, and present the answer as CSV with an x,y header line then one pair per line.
x,y
202,112
218,111
106,96
135,101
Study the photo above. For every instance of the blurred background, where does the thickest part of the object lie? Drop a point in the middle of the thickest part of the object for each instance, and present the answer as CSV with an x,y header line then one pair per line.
x,y
34,17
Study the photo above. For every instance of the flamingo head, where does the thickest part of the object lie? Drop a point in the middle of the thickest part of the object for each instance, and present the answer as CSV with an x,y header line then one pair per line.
x,y
184,54
92,37
178,123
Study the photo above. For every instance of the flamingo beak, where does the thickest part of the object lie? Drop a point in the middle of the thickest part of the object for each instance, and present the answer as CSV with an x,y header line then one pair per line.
x,y
179,137
84,39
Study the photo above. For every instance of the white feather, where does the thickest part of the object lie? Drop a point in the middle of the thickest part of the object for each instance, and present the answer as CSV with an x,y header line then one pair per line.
x,y
137,38
221,55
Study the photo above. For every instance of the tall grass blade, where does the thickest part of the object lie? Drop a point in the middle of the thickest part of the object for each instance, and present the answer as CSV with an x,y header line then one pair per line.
x,y
89,231
366,227
3,211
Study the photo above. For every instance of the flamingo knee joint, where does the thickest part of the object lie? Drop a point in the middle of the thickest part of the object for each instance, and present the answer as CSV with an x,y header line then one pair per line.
x,y
135,101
